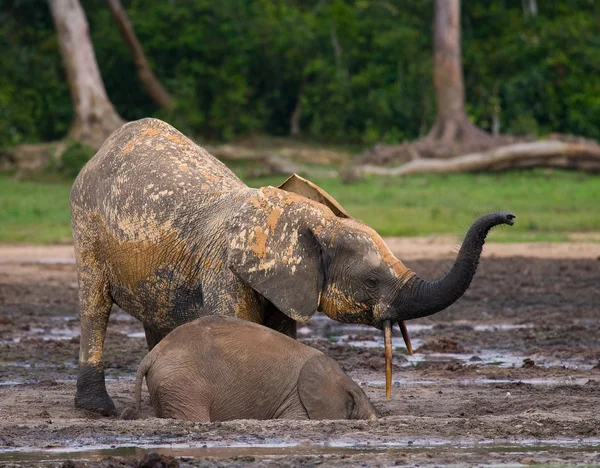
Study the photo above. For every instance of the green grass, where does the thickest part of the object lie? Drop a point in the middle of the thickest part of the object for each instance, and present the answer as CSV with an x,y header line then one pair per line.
x,y
34,212
549,204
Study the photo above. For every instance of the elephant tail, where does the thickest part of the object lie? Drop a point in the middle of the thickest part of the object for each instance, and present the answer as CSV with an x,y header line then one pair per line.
x,y
139,377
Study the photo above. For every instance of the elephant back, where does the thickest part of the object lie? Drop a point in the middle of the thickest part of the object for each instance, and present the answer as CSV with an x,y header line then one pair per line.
x,y
147,176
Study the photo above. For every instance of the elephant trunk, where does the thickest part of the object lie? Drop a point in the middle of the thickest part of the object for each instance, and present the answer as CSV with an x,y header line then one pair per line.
x,y
420,298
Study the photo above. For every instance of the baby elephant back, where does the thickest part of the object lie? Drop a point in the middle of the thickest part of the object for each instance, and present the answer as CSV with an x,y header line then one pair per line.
x,y
219,368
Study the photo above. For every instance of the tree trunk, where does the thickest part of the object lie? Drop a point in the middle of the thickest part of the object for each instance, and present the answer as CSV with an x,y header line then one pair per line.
x,y
530,7
95,116
452,124
152,85
295,117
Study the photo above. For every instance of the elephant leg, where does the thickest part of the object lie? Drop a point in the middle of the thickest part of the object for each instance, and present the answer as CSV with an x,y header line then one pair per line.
x,y
280,322
95,303
153,336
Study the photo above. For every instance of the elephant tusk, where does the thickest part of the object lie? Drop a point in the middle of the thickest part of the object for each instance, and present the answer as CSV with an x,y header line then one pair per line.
x,y
404,331
387,339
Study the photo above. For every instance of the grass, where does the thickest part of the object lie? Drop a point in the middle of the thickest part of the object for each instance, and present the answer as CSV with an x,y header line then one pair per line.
x,y
34,212
549,204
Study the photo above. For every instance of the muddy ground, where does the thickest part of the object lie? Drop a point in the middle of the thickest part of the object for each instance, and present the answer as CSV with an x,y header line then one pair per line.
x,y
508,375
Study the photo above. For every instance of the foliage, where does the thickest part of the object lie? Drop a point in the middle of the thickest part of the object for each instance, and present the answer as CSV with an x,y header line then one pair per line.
x,y
548,204
361,68
72,160
35,104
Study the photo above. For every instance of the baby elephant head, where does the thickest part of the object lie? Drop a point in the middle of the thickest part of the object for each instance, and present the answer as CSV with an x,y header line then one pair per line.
x,y
326,392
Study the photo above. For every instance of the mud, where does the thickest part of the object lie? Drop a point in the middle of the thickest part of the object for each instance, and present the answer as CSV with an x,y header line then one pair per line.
x,y
508,375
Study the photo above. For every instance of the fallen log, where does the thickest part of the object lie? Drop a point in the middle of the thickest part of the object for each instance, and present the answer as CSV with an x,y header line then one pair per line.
x,y
305,154
545,153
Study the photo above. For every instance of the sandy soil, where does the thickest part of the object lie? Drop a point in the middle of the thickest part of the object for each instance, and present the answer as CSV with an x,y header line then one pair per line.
x,y
437,247
509,374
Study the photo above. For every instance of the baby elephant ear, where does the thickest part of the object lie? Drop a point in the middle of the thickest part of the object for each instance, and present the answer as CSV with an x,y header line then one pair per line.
x,y
306,188
277,255
324,389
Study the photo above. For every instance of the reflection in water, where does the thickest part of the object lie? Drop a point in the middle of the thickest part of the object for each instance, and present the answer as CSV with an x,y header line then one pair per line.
x,y
276,449
363,336
482,381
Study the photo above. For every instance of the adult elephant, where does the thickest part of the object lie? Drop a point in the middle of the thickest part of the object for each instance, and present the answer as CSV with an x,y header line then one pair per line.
x,y
168,233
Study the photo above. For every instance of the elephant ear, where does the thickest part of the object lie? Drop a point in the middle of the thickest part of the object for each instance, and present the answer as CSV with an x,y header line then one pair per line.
x,y
306,188
323,389
273,251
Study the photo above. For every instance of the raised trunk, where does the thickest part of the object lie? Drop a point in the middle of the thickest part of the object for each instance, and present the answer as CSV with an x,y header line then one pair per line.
x,y
152,85
95,117
420,298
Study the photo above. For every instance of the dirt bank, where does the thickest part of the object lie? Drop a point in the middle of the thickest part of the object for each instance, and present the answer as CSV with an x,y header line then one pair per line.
x,y
406,248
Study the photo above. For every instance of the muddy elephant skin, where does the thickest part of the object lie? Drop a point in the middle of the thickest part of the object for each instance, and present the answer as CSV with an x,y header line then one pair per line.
x,y
219,368
168,233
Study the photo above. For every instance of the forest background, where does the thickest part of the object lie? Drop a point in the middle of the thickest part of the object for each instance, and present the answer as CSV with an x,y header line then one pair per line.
x,y
337,76
361,70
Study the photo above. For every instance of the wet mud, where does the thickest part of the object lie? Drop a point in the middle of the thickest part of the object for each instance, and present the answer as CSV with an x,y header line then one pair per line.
x,y
510,374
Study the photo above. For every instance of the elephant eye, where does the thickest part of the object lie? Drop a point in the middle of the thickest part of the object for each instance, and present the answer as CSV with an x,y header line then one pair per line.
x,y
372,282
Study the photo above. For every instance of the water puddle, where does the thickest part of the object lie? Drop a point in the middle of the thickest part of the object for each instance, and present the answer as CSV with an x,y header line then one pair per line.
x,y
362,336
373,383
29,365
66,327
501,326
364,340
59,334
487,357
11,341
483,381
320,326
14,383
47,334
278,449
534,381
499,358
136,335
357,336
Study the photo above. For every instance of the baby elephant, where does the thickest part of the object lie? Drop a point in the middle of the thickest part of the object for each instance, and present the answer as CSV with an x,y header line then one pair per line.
x,y
218,368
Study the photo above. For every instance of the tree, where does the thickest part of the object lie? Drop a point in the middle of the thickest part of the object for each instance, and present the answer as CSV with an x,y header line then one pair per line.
x,y
530,7
153,86
296,114
95,117
452,124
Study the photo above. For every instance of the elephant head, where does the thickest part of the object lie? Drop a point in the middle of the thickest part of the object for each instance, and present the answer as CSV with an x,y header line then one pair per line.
x,y
326,392
299,249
